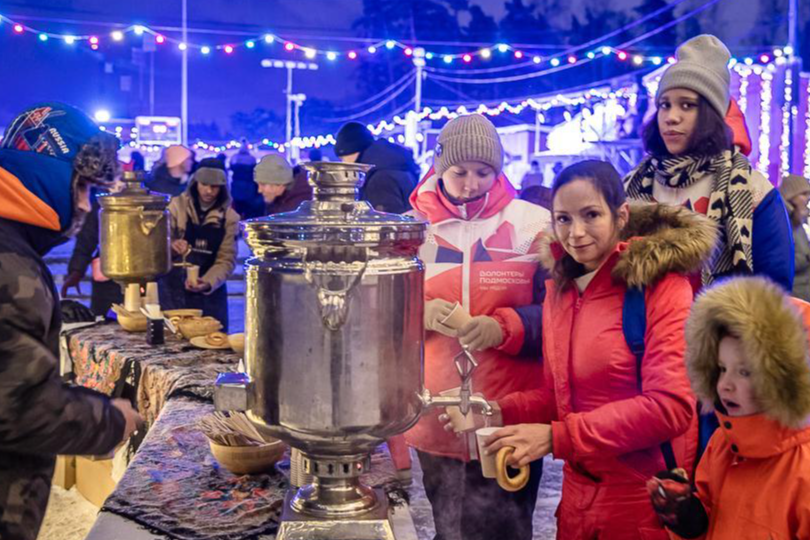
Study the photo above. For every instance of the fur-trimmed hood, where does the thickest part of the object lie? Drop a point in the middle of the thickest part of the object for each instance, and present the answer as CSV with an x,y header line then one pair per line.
x,y
657,240
772,328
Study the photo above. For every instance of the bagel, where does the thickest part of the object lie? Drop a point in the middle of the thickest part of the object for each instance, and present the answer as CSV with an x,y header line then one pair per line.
x,y
509,483
217,339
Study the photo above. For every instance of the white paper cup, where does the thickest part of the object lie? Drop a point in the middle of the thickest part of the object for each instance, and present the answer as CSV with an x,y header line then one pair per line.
x,y
457,318
192,274
151,294
488,467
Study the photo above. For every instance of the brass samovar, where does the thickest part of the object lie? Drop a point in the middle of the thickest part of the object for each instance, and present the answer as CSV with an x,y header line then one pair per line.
x,y
134,236
334,343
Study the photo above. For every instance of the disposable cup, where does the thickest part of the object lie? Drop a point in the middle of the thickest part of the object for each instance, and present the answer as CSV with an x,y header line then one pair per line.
x,y
192,273
488,467
457,318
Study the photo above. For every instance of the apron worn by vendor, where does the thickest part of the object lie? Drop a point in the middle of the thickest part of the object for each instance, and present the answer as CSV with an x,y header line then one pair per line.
x,y
204,241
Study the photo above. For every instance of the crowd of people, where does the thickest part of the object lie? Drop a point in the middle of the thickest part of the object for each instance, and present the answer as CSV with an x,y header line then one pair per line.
x,y
650,331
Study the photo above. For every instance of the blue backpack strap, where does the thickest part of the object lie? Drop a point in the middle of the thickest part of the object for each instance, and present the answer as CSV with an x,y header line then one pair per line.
x,y
634,326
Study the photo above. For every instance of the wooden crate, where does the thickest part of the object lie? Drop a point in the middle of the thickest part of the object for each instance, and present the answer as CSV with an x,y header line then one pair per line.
x,y
94,479
64,475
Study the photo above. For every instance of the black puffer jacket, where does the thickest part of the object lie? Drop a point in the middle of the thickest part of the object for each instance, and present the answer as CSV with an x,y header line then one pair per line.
x,y
393,178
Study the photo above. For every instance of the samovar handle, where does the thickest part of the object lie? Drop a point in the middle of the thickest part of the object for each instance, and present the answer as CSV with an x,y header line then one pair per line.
x,y
333,304
149,220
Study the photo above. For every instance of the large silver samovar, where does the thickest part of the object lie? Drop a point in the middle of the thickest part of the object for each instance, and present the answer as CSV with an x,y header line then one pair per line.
x,y
334,342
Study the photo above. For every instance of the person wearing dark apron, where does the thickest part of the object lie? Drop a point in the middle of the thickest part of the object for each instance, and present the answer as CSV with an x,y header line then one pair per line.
x,y
204,230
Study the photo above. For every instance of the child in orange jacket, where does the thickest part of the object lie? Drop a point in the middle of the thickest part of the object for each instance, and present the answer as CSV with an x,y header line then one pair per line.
x,y
747,356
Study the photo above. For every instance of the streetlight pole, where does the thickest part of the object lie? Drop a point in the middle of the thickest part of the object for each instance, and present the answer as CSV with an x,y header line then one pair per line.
x,y
412,118
289,65
184,76
288,97
419,62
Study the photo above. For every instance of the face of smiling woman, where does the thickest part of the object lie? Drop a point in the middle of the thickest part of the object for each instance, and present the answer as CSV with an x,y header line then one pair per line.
x,y
584,224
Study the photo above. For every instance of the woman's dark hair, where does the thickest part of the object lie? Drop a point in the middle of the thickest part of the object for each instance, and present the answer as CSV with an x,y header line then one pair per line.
x,y
606,180
710,137
602,175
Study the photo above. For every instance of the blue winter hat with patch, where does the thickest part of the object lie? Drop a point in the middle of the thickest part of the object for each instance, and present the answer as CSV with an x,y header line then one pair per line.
x,y
41,146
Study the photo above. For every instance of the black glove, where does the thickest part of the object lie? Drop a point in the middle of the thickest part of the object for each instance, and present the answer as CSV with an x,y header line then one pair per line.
x,y
674,501
73,312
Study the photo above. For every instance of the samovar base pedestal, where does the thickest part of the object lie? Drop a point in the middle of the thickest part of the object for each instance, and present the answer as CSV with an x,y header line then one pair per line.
x,y
372,525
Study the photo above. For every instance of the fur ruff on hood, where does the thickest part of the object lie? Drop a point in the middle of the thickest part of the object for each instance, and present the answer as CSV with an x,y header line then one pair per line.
x,y
657,240
773,336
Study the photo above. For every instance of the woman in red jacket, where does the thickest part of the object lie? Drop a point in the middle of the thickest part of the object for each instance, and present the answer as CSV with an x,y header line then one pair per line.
x,y
595,411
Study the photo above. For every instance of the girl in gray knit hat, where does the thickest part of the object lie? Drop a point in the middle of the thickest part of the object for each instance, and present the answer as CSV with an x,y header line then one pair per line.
x,y
691,161
480,261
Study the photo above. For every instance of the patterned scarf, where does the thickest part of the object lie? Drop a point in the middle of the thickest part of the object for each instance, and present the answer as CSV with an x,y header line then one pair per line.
x,y
731,203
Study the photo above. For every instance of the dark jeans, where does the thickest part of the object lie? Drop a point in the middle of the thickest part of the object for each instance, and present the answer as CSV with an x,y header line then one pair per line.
x,y
467,506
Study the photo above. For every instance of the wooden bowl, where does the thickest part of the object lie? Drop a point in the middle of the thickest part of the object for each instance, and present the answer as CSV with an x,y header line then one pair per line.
x,y
237,342
132,322
248,459
198,326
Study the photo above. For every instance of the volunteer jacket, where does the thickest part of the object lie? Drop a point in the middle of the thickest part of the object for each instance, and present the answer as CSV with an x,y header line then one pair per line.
x,y
481,254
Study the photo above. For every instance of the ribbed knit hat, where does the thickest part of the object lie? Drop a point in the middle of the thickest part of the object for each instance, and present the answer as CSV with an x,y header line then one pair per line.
x,y
210,176
273,169
468,138
702,67
352,137
793,185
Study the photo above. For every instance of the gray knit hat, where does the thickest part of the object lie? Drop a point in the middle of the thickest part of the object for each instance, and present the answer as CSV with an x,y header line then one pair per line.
x,y
210,176
702,67
468,138
793,185
273,169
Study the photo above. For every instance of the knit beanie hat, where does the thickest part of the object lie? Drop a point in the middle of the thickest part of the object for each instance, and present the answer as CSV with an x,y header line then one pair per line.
x,y
176,155
793,185
702,67
210,176
468,138
273,169
352,137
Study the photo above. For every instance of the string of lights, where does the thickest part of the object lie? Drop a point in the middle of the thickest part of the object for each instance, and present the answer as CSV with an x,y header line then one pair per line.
x,y
523,55
786,115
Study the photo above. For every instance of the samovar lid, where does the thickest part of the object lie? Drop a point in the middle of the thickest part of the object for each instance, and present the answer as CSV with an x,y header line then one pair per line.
x,y
335,216
134,195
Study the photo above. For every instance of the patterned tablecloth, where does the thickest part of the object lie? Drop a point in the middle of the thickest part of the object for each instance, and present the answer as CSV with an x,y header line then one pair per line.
x,y
173,486
105,354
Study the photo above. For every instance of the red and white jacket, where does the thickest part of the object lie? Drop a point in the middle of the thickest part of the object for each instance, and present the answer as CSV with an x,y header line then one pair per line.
x,y
482,254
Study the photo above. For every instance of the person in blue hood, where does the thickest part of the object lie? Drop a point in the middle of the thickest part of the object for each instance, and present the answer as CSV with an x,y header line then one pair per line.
x,y
394,174
50,157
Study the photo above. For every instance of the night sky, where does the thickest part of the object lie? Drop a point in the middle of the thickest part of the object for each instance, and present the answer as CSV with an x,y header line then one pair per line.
x,y
32,71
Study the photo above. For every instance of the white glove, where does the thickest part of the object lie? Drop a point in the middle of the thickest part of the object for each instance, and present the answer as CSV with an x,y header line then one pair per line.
x,y
480,333
437,310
